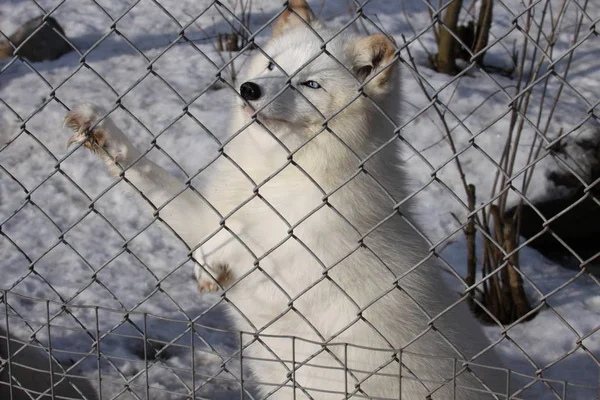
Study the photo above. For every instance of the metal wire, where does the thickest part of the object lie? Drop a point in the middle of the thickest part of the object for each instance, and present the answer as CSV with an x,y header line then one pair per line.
x,y
98,325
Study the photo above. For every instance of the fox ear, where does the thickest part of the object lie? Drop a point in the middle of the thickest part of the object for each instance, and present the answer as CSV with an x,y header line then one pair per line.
x,y
290,18
370,54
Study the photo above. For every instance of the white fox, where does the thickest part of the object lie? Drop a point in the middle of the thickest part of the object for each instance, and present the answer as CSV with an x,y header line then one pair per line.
x,y
308,242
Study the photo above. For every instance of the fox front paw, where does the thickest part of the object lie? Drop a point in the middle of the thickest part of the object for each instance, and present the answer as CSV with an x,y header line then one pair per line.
x,y
222,274
98,135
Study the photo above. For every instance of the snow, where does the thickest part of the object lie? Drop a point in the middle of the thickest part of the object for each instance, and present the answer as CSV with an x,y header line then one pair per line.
x,y
65,222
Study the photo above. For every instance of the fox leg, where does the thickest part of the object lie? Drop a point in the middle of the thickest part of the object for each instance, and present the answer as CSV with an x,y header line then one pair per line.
x,y
180,207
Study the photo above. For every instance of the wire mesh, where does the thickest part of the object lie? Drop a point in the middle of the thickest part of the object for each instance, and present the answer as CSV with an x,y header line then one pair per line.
x,y
98,298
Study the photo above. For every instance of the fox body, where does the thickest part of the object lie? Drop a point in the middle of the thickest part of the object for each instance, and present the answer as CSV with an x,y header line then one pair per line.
x,y
308,241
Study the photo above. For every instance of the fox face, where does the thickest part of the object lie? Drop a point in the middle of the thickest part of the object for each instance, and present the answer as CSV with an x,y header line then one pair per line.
x,y
306,76
298,84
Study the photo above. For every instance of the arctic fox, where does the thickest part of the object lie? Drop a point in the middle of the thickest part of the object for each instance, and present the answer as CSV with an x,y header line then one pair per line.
x,y
300,225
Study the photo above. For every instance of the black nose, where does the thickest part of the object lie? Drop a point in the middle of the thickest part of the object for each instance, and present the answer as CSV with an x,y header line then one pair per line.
x,y
250,91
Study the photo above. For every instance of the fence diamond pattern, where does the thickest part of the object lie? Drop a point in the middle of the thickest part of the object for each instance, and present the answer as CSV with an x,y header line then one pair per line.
x,y
105,291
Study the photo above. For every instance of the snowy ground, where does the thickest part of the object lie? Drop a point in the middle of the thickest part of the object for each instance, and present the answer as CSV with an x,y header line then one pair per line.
x,y
76,251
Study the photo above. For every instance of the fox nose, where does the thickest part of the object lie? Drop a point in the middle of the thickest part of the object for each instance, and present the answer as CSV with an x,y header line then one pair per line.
x,y
250,91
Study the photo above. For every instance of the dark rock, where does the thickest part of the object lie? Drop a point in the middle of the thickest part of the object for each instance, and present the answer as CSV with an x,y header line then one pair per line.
x,y
30,368
578,226
45,44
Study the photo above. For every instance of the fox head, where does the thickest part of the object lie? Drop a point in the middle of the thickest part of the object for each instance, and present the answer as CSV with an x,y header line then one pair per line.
x,y
307,77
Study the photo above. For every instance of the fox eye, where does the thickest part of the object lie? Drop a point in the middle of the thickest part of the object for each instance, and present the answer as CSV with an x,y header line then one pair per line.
x,y
270,66
312,84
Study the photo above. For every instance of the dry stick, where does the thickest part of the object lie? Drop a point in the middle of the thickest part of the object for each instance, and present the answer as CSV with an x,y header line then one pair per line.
x,y
439,7
533,155
495,295
436,33
248,11
232,42
442,118
548,50
504,161
470,233
219,42
485,262
504,71
515,278
219,37
454,91
560,88
485,298
473,111
484,23
522,105
446,128
445,60
518,296
505,297
534,151
217,47
243,17
6,50
494,288
535,137
414,31
490,299
506,149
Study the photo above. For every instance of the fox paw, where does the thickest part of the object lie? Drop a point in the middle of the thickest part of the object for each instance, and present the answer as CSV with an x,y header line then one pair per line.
x,y
100,136
80,119
222,274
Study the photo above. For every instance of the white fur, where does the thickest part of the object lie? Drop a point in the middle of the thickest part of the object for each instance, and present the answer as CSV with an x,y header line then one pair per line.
x,y
353,302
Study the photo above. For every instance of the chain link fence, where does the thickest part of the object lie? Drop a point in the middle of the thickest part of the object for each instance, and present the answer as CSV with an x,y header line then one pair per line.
x,y
97,292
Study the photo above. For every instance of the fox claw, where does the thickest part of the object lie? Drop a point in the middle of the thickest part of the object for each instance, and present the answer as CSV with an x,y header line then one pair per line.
x,y
223,275
80,119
